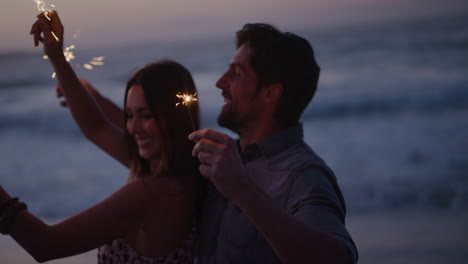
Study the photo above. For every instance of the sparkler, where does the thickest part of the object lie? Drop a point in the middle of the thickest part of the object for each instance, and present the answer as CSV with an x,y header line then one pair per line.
x,y
186,99
69,54
42,7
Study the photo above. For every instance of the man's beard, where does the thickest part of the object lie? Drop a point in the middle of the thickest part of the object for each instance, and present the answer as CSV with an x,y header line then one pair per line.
x,y
236,121
228,120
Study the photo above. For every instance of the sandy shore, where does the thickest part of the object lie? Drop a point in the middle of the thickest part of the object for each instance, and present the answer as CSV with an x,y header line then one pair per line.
x,y
411,237
12,253
390,237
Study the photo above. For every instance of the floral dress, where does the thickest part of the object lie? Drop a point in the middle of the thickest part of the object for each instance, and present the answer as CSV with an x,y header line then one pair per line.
x,y
118,251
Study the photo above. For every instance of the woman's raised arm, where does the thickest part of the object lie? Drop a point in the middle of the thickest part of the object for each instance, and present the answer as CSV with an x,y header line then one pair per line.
x,y
110,109
89,116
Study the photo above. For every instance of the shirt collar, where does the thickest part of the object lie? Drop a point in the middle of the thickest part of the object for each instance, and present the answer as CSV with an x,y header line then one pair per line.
x,y
275,143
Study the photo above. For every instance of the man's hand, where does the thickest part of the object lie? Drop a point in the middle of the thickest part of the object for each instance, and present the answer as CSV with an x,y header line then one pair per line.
x,y
220,162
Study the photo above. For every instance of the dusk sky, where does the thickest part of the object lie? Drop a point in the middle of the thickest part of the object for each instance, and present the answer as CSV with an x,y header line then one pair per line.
x,y
107,22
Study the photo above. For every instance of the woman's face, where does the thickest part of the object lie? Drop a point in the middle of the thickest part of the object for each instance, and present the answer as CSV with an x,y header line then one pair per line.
x,y
141,124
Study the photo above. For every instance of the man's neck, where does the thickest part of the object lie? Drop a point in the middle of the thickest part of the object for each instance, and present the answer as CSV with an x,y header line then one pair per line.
x,y
256,132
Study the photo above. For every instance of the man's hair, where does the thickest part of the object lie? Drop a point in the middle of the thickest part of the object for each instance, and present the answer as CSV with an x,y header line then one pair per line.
x,y
284,58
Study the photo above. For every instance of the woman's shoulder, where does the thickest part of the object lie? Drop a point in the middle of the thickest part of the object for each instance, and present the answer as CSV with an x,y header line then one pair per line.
x,y
171,186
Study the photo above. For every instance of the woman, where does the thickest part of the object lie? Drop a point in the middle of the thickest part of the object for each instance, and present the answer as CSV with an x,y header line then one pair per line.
x,y
151,219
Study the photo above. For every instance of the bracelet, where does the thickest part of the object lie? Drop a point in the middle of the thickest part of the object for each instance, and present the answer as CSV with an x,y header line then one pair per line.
x,y
5,205
8,217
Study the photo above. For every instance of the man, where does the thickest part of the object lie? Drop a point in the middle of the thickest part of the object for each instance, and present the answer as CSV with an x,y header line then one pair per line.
x,y
271,198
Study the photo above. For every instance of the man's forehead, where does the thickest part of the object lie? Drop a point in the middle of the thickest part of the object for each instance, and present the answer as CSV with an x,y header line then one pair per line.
x,y
239,65
242,55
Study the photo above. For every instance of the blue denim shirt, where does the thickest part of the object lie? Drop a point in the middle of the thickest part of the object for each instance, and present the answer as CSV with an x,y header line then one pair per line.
x,y
299,181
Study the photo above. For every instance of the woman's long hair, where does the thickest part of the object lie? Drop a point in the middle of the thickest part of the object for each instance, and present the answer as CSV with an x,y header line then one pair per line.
x,y
161,82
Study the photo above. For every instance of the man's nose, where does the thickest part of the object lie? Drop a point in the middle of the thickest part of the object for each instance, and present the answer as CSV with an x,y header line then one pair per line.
x,y
221,83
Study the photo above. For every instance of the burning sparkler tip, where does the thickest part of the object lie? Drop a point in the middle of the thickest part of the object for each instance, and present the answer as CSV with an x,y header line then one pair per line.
x,y
186,98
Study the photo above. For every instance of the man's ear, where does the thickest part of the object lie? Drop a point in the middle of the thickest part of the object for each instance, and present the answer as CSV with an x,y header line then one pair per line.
x,y
273,92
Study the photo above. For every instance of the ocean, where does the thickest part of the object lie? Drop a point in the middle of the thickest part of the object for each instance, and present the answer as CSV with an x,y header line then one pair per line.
x,y
390,115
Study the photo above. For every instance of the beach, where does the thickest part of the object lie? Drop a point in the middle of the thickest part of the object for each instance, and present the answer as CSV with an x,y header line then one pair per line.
x,y
417,237
435,236
12,253
389,117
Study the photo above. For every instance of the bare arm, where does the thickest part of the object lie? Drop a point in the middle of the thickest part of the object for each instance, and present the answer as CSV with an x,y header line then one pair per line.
x,y
221,164
89,116
110,109
120,213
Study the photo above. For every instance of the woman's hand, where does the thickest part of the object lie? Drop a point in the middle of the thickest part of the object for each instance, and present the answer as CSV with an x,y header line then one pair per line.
x,y
48,29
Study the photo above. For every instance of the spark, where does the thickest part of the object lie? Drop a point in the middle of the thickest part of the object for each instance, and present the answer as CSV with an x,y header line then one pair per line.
x,y
68,53
42,7
76,34
186,98
97,61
